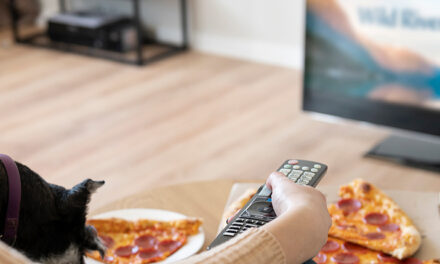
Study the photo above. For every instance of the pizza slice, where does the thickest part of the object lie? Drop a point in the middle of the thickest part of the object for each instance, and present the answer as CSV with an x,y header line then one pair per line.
x,y
236,205
366,216
142,241
343,252
188,226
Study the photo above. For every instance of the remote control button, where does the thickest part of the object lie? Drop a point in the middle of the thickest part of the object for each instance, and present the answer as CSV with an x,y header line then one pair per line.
x,y
293,162
239,221
250,226
287,166
317,166
265,210
309,174
314,170
296,167
303,181
285,171
229,234
305,168
293,178
299,172
237,224
294,175
258,217
245,215
250,221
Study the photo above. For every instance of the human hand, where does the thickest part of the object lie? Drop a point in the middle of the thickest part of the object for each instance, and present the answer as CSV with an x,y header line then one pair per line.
x,y
302,221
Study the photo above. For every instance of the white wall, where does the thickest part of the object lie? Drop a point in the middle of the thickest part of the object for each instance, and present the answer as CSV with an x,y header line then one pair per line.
x,y
257,30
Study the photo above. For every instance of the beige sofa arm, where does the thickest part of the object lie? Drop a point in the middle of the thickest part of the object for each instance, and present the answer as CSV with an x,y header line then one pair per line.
x,y
9,255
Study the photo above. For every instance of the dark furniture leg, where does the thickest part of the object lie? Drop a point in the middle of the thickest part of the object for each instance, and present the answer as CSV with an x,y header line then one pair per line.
x,y
140,39
184,23
14,20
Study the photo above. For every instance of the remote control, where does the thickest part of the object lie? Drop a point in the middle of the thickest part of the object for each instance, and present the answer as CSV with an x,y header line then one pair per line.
x,y
259,211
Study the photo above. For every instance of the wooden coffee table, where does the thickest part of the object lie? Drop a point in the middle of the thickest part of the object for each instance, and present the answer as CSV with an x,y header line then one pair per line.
x,y
207,200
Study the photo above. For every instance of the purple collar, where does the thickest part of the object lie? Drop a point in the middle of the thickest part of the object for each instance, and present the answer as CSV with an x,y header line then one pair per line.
x,y
13,211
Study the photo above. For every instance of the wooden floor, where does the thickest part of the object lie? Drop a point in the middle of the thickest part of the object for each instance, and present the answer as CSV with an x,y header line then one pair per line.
x,y
190,117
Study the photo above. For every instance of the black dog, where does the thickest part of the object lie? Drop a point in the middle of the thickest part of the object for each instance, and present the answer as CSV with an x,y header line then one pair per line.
x,y
52,225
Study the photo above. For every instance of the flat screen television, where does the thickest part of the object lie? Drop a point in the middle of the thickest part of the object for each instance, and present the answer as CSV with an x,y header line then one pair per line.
x,y
378,61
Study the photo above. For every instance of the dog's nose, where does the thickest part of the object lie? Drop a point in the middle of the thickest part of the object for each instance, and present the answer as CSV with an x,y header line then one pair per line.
x,y
93,230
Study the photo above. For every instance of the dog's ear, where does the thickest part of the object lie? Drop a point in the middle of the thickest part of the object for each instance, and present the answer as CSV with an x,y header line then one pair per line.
x,y
79,196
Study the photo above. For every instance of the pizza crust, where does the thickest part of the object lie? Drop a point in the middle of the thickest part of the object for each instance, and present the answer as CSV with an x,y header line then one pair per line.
x,y
410,243
235,206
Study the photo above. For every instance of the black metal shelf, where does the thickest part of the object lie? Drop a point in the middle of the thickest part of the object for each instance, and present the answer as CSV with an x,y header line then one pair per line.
x,y
147,50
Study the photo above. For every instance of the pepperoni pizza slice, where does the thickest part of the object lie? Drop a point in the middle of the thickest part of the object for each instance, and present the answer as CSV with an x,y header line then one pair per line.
x,y
143,241
343,252
366,216
239,203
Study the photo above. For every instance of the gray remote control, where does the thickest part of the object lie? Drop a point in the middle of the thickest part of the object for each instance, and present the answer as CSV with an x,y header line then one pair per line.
x,y
258,211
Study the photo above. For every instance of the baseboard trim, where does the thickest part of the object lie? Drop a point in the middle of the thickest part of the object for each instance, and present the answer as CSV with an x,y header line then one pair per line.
x,y
265,52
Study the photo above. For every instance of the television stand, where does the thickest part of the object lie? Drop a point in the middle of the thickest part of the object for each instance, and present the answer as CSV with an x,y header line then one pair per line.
x,y
148,49
415,151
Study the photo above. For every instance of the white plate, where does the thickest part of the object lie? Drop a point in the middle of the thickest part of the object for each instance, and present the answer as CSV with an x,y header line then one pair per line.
x,y
193,245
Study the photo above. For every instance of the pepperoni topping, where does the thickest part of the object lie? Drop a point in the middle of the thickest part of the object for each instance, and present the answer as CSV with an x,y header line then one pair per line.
x,y
125,252
387,258
150,254
107,241
320,258
345,258
145,241
411,261
375,236
353,247
376,218
330,246
169,246
366,187
349,205
390,227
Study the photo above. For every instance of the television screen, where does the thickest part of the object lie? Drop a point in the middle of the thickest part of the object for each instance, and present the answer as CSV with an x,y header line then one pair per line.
x,y
380,53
